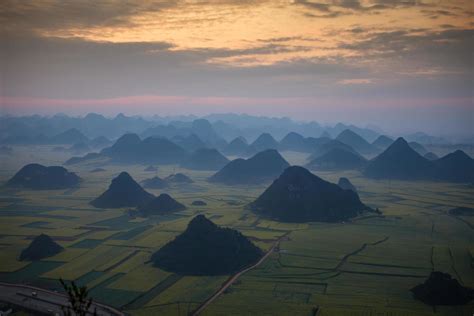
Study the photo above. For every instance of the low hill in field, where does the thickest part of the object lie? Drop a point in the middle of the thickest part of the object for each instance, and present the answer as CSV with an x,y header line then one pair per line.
x,y
400,161
41,247
294,142
39,177
337,159
150,169
71,136
189,142
163,204
152,150
441,289
237,147
356,141
207,249
262,167
178,178
264,141
455,167
326,146
382,142
300,196
123,192
154,183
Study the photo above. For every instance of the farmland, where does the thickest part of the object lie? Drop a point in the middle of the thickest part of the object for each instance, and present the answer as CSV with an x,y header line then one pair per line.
x,y
362,267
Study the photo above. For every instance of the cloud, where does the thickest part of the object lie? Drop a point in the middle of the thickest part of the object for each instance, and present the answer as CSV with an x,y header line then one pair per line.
x,y
335,8
322,7
450,50
343,58
29,16
43,15
355,81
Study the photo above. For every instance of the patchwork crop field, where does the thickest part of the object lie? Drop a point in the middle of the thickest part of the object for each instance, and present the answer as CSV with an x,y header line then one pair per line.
x,y
366,266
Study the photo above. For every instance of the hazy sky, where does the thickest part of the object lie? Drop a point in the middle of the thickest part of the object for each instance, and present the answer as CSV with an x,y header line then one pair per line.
x,y
403,65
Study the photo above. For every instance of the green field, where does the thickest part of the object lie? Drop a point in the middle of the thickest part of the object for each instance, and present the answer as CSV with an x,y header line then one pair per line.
x,y
362,267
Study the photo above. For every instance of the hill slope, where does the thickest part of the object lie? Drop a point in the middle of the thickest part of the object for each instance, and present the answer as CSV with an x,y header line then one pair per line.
x,y
38,177
154,183
162,204
300,196
382,142
328,145
263,142
206,249
455,167
346,184
356,141
130,149
205,159
123,192
294,141
337,159
237,147
400,161
441,289
264,166
41,247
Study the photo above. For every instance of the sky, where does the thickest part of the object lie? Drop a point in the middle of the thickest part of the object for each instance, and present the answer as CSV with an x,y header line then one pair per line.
x,y
402,65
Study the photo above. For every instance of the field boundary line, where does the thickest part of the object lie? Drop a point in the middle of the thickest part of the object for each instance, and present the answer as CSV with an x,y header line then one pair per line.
x,y
234,278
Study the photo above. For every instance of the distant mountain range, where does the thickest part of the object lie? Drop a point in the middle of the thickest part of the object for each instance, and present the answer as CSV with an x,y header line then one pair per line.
x,y
205,159
337,159
356,141
237,147
401,161
264,166
265,141
382,142
214,130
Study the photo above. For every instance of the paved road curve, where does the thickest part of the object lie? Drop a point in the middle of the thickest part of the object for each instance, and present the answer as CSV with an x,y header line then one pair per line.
x,y
43,301
234,278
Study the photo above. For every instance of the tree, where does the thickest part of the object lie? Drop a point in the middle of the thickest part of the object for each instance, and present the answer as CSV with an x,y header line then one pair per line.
x,y
78,299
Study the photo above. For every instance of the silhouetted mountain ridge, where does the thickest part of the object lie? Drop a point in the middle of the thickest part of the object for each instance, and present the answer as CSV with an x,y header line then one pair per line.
x,y
337,159
264,166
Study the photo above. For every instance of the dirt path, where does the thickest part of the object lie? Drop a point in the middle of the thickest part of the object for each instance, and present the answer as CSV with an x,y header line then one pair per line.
x,y
234,278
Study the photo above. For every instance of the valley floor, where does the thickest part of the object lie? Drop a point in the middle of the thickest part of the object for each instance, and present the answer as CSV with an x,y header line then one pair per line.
x,y
362,267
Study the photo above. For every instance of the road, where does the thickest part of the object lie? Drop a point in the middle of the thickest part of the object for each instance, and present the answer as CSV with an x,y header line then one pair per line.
x,y
234,278
43,301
